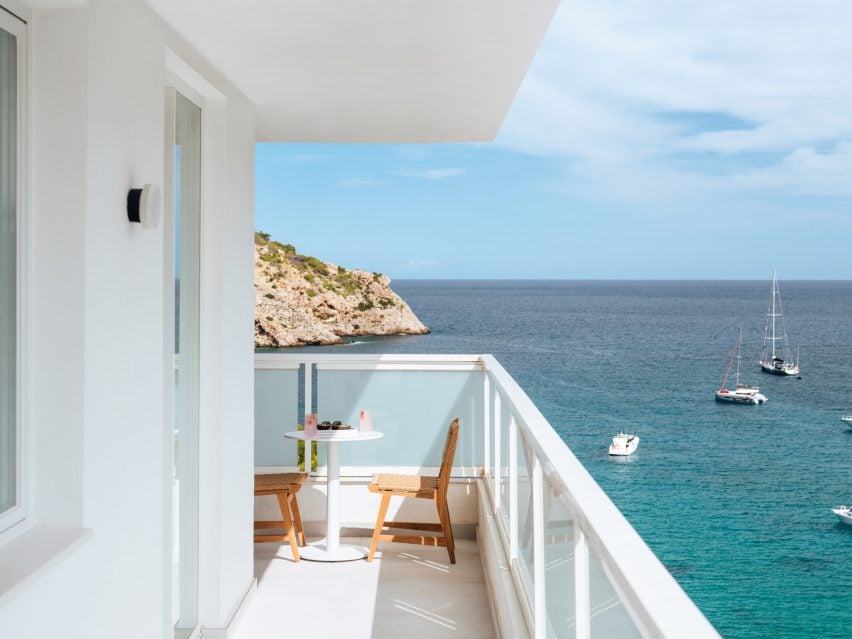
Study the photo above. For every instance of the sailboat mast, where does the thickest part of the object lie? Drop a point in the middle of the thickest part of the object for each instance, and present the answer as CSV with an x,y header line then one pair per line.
x,y
737,351
728,370
774,293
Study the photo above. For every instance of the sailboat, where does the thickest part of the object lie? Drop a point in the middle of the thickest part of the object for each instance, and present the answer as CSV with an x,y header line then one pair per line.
x,y
741,393
776,358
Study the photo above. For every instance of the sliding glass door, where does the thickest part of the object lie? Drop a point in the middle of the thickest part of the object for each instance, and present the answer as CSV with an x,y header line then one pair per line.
x,y
11,100
183,124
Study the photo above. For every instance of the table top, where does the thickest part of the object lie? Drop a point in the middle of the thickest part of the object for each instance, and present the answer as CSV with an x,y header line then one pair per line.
x,y
334,436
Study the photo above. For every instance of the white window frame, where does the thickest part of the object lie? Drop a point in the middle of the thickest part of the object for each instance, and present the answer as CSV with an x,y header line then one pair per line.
x,y
14,516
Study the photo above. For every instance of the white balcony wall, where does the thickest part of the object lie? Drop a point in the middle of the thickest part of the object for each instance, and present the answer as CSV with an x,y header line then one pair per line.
x,y
97,453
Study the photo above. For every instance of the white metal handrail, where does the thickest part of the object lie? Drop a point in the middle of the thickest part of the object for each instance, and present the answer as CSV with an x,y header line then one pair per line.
x,y
656,603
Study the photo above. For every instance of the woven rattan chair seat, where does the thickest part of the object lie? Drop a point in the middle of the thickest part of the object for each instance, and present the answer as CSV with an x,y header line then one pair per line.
x,y
279,481
405,483
417,487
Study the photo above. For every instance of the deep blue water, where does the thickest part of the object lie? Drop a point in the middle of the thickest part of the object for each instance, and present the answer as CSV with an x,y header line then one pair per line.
x,y
733,499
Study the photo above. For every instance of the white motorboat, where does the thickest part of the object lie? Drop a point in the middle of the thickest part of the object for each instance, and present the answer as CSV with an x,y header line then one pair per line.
x,y
623,444
847,419
741,393
844,513
777,360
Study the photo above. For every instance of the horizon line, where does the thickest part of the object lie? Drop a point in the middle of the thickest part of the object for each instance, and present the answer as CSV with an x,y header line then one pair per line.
x,y
611,279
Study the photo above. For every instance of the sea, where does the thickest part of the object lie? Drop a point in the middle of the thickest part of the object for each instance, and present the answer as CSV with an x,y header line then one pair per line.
x,y
734,499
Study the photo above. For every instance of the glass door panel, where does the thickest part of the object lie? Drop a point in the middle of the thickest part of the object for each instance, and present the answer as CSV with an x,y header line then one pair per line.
x,y
186,255
8,269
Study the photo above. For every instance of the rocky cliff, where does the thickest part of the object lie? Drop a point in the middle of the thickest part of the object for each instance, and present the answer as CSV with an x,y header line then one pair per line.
x,y
302,300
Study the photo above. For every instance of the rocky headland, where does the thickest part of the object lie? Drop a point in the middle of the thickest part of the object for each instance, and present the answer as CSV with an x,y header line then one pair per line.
x,y
300,300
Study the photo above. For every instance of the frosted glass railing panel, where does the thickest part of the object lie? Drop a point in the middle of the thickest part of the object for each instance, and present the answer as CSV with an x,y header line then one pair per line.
x,y
276,411
491,430
503,466
608,615
413,408
558,567
525,515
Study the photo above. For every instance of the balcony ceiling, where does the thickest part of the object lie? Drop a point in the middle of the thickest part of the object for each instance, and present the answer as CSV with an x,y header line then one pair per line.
x,y
369,70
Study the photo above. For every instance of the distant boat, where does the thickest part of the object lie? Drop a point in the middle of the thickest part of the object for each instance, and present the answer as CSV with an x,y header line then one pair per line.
x,y
623,444
847,419
844,513
776,358
741,393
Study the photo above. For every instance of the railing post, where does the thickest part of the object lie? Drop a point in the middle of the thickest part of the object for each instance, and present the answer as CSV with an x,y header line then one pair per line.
x,y
498,469
582,600
486,423
308,402
513,489
539,612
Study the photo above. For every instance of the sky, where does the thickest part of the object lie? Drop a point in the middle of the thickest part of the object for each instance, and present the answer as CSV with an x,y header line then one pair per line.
x,y
651,139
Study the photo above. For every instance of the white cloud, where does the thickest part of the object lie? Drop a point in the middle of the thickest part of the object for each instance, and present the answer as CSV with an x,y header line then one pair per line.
x,y
611,74
431,174
807,171
419,265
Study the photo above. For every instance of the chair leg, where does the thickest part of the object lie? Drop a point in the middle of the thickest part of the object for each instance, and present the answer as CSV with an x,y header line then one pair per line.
x,y
380,521
288,523
297,517
446,525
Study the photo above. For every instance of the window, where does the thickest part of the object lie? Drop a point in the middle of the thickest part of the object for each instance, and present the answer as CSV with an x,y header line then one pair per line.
x,y
11,170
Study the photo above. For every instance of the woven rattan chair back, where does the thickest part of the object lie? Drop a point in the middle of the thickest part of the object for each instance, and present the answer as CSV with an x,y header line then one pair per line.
x,y
448,455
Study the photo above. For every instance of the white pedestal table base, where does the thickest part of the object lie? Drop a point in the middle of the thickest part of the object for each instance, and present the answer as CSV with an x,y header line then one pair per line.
x,y
319,551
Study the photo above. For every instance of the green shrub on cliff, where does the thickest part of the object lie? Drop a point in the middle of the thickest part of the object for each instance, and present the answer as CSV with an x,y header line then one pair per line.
x,y
308,262
346,281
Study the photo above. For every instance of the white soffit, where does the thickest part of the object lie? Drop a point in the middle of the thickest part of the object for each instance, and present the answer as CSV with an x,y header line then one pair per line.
x,y
369,70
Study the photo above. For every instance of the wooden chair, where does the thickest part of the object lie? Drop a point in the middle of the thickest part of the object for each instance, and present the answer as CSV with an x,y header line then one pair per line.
x,y
284,486
434,488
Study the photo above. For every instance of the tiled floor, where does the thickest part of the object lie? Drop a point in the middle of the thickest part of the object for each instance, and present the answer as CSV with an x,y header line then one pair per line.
x,y
407,591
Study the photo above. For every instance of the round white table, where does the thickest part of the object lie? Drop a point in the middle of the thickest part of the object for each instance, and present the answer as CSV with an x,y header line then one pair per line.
x,y
330,549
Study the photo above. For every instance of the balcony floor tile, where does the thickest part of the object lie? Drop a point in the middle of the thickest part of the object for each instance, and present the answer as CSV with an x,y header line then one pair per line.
x,y
407,591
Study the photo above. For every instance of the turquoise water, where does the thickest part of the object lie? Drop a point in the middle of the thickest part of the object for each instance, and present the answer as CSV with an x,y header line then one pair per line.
x,y
734,499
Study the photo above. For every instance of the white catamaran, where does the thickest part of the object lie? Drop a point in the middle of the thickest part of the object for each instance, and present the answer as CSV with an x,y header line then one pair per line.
x,y
741,393
776,359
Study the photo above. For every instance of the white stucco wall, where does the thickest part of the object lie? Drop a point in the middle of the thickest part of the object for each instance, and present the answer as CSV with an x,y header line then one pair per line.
x,y
97,455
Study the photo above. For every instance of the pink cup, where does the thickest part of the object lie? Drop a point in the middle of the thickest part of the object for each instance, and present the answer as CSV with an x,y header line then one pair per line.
x,y
366,421
311,424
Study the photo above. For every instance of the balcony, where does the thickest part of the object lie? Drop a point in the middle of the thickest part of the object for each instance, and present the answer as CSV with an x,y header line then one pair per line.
x,y
543,551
